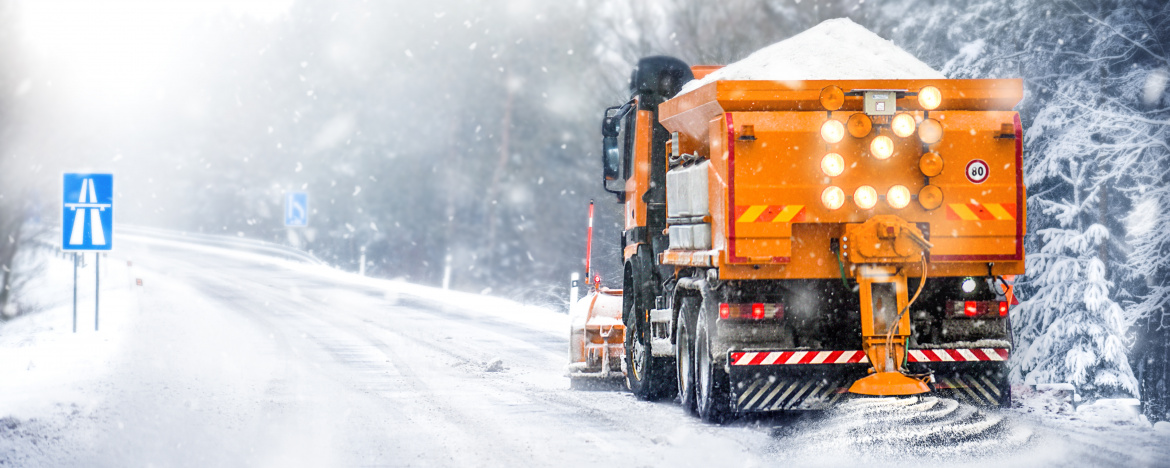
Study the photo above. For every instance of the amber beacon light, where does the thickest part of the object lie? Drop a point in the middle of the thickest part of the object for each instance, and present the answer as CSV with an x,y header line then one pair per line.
x,y
882,147
833,165
929,98
865,197
832,131
903,125
898,196
833,197
930,131
832,98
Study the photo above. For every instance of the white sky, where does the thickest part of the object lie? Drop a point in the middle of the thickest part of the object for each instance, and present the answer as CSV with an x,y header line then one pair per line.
x,y
111,49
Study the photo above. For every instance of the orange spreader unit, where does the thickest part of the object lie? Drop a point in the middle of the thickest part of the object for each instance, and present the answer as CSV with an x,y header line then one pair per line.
x,y
816,180
766,190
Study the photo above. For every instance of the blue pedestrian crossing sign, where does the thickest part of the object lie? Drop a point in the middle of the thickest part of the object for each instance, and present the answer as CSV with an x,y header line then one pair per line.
x,y
296,209
87,212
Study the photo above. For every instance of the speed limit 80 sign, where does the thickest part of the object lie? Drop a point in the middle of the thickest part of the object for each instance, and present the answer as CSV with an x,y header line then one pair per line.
x,y
977,171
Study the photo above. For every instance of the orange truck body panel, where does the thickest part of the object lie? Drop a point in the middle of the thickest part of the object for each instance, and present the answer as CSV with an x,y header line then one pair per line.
x,y
765,180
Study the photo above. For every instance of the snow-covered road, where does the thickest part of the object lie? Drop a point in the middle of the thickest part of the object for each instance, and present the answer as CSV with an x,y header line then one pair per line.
x,y
227,358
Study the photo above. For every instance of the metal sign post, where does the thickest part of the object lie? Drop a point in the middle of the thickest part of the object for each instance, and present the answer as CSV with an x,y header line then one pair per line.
x,y
92,194
74,292
97,286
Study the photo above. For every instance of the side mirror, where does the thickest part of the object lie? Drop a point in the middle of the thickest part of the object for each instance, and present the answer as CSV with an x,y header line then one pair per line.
x,y
611,155
611,158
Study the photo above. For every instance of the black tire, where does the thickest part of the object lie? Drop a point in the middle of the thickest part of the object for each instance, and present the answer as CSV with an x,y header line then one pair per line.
x,y
684,359
649,377
713,401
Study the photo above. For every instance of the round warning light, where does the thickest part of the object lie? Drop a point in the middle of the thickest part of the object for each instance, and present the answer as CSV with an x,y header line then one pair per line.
x,y
930,197
903,125
882,147
832,98
833,164
929,97
931,164
833,197
859,125
832,131
930,131
865,197
898,196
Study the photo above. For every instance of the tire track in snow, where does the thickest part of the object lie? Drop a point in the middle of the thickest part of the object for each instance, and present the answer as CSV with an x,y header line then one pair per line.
x,y
360,365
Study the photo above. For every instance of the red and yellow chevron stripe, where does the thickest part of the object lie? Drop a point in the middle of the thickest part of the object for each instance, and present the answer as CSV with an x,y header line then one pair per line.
x,y
981,211
769,213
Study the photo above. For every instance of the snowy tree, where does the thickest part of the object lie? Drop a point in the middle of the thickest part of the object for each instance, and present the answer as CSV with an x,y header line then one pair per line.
x,y
1146,121
1093,142
20,210
1071,328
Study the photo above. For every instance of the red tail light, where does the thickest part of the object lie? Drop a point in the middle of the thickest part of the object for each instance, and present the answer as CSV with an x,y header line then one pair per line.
x,y
758,311
977,309
751,311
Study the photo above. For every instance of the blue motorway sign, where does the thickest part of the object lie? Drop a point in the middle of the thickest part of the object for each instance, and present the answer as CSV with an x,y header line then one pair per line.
x,y
296,209
87,212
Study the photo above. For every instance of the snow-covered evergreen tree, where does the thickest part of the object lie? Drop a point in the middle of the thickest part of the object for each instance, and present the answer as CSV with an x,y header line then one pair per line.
x,y
1090,148
1148,103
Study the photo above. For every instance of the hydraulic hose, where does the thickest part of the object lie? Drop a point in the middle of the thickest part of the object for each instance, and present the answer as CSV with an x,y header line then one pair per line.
x,y
898,320
841,267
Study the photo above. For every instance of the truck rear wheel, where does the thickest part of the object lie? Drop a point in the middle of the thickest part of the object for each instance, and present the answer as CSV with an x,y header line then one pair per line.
x,y
648,376
685,364
712,398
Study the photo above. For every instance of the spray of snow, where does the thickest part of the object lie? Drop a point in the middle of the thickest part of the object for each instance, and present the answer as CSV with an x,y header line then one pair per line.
x,y
837,49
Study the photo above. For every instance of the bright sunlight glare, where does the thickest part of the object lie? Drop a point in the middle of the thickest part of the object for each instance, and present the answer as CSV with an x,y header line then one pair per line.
x,y
111,49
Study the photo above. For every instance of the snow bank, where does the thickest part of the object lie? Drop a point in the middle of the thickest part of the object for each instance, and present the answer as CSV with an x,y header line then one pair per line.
x,y
43,364
837,49
1113,412
1162,428
530,316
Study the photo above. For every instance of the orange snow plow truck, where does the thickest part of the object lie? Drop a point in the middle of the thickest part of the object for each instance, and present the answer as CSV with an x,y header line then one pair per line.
x,y
789,243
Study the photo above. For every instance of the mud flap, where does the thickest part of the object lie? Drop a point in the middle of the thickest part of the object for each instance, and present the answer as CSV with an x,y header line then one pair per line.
x,y
974,383
763,381
789,381
788,388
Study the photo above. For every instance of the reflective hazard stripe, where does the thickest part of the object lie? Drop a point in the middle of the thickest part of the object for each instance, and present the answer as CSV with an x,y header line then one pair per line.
x,y
981,211
959,355
769,213
751,214
765,358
